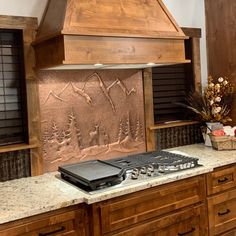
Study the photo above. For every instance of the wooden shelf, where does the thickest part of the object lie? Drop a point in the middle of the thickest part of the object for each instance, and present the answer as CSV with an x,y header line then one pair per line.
x,y
172,124
16,147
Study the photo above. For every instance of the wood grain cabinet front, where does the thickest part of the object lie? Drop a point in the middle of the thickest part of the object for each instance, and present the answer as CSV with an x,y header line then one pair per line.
x,y
66,222
133,209
230,233
221,201
222,213
188,222
221,179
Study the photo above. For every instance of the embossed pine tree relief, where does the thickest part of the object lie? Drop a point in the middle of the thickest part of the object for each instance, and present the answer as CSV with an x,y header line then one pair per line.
x,y
90,115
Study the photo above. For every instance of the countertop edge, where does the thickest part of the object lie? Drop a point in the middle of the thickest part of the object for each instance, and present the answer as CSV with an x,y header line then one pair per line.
x,y
18,198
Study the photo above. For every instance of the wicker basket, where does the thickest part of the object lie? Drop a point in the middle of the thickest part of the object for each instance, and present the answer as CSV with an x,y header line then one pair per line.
x,y
223,142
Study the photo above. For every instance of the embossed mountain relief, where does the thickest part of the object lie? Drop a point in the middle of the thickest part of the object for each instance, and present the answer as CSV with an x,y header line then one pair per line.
x,y
90,115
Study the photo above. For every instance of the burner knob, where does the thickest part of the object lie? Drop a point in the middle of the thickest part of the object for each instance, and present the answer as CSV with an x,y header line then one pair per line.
x,y
181,166
144,170
135,173
161,169
150,168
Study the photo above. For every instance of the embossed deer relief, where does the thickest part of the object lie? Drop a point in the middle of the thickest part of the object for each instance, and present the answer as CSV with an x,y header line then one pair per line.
x,y
94,136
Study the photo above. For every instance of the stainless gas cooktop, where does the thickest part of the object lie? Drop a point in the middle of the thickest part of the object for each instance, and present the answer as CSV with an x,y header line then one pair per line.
x,y
98,174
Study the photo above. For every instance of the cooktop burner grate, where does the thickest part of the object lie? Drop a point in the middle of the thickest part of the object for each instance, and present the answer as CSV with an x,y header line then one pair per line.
x,y
156,158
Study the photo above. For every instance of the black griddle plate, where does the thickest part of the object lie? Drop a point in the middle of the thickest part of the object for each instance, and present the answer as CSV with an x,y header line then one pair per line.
x,y
92,174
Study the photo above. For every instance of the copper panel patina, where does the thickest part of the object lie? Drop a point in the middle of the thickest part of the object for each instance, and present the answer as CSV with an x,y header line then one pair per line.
x,y
90,114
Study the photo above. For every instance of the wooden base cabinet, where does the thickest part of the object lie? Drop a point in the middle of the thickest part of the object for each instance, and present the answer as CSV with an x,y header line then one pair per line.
x,y
71,221
221,201
222,212
190,221
171,209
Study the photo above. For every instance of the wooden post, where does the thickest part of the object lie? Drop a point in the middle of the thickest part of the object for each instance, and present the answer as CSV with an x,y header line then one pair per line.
x,y
148,111
29,26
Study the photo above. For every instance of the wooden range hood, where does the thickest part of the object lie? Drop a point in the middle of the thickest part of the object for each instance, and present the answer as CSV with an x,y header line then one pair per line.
x,y
88,34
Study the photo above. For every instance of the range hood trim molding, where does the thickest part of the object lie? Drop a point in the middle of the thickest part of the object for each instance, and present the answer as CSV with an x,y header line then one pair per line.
x,y
71,66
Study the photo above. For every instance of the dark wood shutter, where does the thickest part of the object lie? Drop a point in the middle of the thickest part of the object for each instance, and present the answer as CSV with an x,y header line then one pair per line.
x,y
169,86
13,119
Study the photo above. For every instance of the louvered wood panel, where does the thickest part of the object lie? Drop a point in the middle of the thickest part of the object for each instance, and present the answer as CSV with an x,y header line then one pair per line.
x,y
13,124
169,86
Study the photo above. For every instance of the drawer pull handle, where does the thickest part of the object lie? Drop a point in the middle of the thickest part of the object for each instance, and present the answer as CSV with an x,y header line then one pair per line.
x,y
223,180
190,231
62,228
224,212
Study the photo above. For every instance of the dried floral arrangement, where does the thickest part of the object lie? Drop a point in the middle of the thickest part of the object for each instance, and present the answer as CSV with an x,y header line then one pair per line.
x,y
213,105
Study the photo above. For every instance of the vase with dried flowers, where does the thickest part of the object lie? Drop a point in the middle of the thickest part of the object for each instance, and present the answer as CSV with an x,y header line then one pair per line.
x,y
213,104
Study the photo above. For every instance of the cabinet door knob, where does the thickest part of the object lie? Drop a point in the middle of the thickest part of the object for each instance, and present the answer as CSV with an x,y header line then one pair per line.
x,y
223,180
227,211
188,232
62,228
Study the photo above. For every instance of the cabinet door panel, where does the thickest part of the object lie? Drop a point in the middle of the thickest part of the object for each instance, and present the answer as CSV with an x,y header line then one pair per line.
x,y
222,212
188,222
134,208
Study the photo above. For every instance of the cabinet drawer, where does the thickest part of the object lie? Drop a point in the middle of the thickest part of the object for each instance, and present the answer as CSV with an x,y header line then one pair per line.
x,y
188,222
222,212
67,223
64,228
221,179
134,208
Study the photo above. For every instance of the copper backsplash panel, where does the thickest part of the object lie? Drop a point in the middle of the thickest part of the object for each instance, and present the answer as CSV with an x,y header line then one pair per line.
x,y
90,114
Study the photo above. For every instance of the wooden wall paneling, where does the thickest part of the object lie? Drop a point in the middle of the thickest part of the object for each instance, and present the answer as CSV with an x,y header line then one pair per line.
x,y
221,37
195,35
196,64
36,161
148,106
29,26
31,87
192,72
18,22
32,101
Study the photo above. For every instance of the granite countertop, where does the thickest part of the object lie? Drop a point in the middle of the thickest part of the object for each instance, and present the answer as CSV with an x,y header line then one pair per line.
x,y
34,195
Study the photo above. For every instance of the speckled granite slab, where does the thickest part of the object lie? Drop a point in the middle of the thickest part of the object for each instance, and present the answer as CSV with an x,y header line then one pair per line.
x,y
31,196
208,156
34,195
